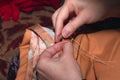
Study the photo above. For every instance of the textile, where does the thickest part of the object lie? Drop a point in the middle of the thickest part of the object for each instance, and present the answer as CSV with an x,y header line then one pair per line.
x,y
12,8
96,53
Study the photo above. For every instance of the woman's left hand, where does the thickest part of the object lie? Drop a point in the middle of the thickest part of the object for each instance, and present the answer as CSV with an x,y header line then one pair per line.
x,y
53,65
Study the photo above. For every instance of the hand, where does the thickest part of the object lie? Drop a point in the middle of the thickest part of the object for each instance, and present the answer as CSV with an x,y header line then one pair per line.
x,y
83,12
53,65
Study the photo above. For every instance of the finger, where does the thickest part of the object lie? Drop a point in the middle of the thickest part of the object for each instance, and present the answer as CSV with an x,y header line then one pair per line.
x,y
40,74
67,50
73,25
62,16
56,56
53,50
54,16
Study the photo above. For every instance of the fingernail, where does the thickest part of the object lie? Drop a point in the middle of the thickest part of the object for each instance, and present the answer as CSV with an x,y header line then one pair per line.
x,y
66,33
58,38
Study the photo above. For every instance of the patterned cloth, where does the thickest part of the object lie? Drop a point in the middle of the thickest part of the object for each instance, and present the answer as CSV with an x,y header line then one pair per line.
x,y
37,46
11,8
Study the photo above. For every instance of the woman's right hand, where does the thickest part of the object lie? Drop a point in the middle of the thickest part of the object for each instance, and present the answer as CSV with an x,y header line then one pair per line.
x,y
85,11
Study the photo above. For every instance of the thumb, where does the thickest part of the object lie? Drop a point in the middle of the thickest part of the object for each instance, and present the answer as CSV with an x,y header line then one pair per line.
x,y
67,51
52,51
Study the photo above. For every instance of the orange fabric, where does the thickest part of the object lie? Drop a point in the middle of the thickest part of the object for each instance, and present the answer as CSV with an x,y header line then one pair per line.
x,y
25,71
98,54
24,47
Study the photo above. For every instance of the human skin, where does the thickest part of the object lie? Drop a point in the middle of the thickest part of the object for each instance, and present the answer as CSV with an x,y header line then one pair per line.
x,y
54,66
83,12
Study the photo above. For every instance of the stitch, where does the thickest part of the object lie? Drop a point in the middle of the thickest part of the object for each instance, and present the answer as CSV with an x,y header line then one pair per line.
x,y
92,57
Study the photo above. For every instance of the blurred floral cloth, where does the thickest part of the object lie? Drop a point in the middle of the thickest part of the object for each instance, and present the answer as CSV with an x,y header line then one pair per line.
x,y
12,8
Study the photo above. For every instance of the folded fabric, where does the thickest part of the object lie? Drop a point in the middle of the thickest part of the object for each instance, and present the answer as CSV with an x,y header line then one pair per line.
x,y
30,50
11,8
96,53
